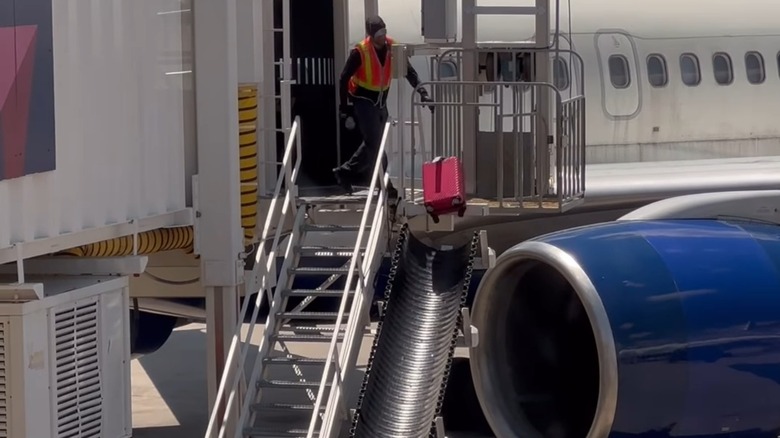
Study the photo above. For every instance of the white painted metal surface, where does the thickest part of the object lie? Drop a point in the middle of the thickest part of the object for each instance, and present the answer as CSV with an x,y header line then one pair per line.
x,y
124,123
48,392
219,233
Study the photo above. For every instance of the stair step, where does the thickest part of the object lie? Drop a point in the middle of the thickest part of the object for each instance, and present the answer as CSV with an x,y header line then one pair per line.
x,y
334,200
310,315
258,432
294,337
293,361
335,293
325,251
289,384
309,328
331,227
316,270
284,407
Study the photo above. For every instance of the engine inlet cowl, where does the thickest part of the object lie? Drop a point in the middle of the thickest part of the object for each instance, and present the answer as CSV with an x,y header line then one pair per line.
x,y
633,329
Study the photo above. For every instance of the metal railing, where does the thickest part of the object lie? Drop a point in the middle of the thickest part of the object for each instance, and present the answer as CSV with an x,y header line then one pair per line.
x,y
572,84
571,149
265,263
358,312
506,118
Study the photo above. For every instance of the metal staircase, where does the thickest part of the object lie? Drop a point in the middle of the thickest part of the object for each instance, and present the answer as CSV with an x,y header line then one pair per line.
x,y
311,401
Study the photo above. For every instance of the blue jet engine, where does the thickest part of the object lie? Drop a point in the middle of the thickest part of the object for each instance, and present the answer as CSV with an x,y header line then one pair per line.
x,y
639,328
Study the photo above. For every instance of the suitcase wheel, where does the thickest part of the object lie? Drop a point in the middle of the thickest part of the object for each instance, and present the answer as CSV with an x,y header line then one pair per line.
x,y
461,211
435,218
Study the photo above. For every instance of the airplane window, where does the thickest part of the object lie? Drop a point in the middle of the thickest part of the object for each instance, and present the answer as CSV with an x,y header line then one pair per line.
x,y
754,66
690,70
619,71
721,66
657,73
778,62
561,74
447,70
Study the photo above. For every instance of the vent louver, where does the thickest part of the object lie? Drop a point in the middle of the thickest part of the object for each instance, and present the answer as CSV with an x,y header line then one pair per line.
x,y
78,379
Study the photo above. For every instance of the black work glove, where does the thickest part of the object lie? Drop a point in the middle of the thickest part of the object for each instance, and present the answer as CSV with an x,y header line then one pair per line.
x,y
425,98
346,114
345,110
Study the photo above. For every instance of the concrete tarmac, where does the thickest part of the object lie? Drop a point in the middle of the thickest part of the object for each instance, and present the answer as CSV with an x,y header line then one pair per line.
x,y
169,387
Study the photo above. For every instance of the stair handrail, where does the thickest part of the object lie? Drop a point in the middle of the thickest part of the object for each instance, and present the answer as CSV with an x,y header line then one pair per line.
x,y
266,262
357,302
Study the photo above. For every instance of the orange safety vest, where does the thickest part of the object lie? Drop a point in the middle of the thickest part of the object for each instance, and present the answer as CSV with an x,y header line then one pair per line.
x,y
372,75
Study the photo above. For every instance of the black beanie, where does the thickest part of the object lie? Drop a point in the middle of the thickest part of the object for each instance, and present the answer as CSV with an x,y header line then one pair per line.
x,y
374,24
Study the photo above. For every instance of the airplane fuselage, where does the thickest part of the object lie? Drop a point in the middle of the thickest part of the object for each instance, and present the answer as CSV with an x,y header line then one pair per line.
x,y
663,80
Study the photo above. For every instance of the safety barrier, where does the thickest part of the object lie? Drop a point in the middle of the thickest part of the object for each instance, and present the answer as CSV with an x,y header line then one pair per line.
x,y
375,210
517,167
282,206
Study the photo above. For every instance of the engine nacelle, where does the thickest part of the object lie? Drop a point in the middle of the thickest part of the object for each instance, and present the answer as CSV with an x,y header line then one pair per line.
x,y
633,329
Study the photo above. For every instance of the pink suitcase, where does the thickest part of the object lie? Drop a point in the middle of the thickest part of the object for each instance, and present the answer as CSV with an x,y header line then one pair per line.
x,y
444,189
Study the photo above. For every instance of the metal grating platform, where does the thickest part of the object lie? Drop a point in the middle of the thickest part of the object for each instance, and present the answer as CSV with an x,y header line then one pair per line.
x,y
483,206
332,195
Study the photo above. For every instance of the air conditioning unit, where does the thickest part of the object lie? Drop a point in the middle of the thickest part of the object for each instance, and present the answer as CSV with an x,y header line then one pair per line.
x,y
65,358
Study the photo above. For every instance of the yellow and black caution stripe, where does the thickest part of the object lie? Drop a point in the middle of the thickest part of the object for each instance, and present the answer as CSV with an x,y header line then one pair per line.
x,y
247,119
158,240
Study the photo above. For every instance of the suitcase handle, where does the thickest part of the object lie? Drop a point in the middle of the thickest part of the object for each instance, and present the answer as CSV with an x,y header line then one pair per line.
x,y
439,162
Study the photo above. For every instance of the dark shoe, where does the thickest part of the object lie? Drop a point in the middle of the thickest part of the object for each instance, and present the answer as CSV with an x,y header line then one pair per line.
x,y
341,181
392,194
392,203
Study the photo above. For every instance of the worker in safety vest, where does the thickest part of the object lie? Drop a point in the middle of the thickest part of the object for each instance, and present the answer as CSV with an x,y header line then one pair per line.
x,y
365,81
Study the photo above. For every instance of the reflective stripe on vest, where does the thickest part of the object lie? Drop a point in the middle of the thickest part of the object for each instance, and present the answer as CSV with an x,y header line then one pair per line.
x,y
372,75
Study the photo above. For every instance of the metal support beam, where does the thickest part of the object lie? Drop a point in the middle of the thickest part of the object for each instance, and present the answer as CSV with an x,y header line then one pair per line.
x,y
504,10
470,115
245,42
219,226
62,265
542,122
371,7
267,101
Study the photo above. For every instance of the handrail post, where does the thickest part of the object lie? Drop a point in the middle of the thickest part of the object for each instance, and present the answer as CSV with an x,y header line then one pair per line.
x,y
356,315
232,358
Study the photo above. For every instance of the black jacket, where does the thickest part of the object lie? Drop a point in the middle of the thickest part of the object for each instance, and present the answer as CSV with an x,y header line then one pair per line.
x,y
351,67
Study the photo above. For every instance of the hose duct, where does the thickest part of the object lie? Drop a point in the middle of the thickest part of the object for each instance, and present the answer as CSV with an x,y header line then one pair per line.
x,y
667,328
157,240
168,239
247,119
407,372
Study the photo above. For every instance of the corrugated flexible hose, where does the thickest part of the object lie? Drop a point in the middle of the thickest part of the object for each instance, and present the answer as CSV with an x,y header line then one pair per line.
x,y
247,119
409,364
161,239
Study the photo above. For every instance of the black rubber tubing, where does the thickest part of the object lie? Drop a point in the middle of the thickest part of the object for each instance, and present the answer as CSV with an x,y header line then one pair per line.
x,y
411,354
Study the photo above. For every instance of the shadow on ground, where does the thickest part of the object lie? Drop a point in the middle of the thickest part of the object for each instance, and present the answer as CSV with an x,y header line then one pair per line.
x,y
178,373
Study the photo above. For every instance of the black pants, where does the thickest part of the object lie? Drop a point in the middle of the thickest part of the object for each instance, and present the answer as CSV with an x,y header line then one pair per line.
x,y
371,121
